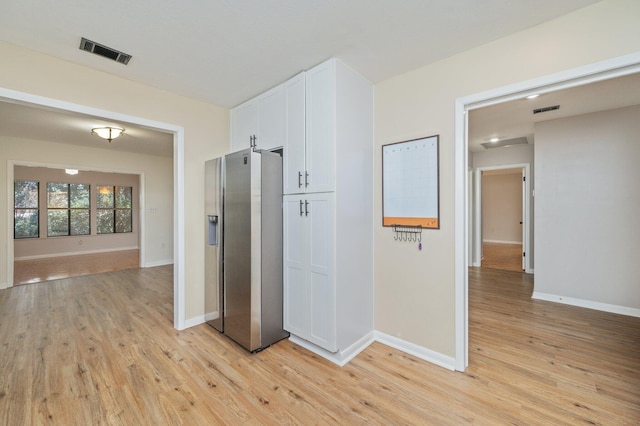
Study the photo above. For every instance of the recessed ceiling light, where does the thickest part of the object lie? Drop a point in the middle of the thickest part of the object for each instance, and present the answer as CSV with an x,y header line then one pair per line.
x,y
71,171
494,139
535,95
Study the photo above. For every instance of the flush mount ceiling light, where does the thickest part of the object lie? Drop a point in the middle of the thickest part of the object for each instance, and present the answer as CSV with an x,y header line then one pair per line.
x,y
535,95
494,140
108,133
71,171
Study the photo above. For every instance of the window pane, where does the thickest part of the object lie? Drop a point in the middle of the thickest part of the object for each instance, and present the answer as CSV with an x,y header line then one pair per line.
x,y
123,197
79,196
105,222
80,222
105,197
58,223
25,223
57,195
25,194
123,220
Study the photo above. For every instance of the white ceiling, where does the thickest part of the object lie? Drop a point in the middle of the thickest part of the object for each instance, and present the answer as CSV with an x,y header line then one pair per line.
x,y
225,52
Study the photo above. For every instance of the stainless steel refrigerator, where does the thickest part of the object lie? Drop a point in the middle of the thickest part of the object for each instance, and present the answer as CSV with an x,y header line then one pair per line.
x,y
243,249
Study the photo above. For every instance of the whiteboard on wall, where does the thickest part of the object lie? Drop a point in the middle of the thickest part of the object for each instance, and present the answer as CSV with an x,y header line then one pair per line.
x,y
410,183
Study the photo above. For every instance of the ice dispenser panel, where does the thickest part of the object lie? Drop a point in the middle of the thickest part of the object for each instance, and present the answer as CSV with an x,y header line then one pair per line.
x,y
213,230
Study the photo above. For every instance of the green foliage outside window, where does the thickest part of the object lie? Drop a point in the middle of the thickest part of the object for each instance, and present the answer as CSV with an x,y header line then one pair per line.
x,y
26,212
114,209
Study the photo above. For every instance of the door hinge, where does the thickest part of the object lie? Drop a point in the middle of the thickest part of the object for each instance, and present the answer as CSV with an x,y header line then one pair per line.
x,y
524,178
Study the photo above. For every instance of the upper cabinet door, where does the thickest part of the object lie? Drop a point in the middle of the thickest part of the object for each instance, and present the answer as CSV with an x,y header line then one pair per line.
x,y
320,127
294,151
244,125
271,119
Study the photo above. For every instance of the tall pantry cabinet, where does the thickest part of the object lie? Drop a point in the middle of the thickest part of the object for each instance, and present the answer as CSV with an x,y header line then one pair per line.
x,y
328,216
327,208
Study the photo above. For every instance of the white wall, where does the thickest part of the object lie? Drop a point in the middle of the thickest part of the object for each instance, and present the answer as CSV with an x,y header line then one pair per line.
x,y
414,290
588,206
206,135
502,208
45,246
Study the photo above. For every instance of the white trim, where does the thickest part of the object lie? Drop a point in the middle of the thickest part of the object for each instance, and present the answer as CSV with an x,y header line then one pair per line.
x,y
616,67
503,242
74,253
211,316
598,306
342,357
192,322
416,350
178,179
158,263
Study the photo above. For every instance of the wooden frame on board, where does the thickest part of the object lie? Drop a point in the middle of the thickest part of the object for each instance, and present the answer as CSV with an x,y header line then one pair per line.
x,y
411,183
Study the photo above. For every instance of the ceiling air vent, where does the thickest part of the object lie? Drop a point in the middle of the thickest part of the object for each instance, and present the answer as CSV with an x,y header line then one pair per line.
x,y
104,51
545,109
506,142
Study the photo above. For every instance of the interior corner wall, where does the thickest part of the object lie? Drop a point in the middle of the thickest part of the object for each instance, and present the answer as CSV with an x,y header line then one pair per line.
x,y
587,207
415,289
206,135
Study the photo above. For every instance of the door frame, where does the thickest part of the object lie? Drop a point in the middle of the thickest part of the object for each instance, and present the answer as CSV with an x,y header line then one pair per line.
x,y
604,70
179,307
476,239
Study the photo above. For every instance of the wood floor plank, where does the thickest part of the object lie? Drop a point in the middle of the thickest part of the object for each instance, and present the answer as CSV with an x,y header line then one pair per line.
x,y
102,349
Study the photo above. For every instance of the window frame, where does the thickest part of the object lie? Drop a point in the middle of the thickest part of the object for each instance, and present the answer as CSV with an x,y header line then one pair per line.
x,y
115,209
69,209
37,209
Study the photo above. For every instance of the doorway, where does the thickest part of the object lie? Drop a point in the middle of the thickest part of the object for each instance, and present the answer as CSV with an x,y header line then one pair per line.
x,y
502,217
592,73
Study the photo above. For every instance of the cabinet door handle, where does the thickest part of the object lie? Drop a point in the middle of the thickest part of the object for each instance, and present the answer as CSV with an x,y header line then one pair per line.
x,y
300,180
306,179
306,208
300,207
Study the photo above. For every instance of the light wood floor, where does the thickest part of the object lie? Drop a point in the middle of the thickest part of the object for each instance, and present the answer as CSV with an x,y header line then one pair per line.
x,y
55,268
101,349
502,256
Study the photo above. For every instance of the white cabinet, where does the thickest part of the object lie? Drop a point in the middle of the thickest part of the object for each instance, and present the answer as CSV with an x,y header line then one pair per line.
x,y
310,292
309,164
328,219
271,118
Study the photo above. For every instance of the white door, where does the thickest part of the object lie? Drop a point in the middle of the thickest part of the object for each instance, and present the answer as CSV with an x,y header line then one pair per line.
x,y
244,125
320,128
271,119
294,144
319,212
296,286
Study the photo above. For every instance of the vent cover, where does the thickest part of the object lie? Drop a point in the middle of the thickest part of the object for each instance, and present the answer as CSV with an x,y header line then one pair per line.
x,y
545,109
506,142
104,51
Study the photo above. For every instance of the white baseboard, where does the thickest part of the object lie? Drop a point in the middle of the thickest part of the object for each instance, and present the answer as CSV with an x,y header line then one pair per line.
x,y
341,358
421,352
158,263
211,316
502,242
73,253
598,306
3,286
192,322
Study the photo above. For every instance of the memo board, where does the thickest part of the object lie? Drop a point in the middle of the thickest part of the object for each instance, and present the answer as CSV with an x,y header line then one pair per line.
x,y
410,183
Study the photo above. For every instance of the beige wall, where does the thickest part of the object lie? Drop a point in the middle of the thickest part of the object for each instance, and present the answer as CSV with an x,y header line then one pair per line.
x,y
587,208
414,290
206,135
45,246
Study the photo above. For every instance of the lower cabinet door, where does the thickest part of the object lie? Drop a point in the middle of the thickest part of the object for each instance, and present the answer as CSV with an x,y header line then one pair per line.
x,y
309,281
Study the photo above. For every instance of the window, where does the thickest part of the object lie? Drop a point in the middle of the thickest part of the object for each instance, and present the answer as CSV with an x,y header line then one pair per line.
x,y
68,209
114,209
26,212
